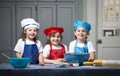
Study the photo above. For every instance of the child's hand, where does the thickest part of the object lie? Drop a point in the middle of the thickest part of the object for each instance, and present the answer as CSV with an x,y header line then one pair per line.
x,y
41,64
91,59
59,61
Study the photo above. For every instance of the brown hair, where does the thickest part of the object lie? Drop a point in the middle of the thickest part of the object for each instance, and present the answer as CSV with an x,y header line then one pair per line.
x,y
52,35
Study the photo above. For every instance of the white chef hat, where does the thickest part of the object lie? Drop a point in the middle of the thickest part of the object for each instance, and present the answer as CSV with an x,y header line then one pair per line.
x,y
29,22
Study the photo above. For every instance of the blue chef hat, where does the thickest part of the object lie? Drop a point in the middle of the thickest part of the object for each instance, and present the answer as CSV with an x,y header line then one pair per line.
x,y
83,24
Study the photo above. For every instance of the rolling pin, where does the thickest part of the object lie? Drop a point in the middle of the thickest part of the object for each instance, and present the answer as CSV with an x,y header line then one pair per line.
x,y
102,62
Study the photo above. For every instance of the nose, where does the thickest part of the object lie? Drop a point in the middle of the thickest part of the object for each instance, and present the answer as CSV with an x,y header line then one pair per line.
x,y
56,38
32,31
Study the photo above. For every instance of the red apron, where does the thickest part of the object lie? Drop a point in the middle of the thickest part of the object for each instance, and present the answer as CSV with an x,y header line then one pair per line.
x,y
56,53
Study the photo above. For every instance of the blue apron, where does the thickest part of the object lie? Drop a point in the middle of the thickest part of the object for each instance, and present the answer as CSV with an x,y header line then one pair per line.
x,y
31,51
78,50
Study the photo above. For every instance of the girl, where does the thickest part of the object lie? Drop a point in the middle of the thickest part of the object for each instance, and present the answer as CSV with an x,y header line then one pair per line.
x,y
81,44
54,50
28,45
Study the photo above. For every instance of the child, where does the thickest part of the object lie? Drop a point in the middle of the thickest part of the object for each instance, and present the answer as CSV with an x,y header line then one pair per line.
x,y
81,44
54,50
28,45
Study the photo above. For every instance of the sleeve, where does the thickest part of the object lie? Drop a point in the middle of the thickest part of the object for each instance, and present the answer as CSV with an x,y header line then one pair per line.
x,y
66,49
40,47
90,47
71,47
46,51
19,47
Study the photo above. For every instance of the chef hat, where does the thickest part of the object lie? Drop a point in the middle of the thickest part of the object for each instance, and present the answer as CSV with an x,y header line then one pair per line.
x,y
29,22
52,29
83,24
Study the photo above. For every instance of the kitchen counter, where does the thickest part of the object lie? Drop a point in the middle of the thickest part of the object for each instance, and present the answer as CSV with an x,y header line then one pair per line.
x,y
58,70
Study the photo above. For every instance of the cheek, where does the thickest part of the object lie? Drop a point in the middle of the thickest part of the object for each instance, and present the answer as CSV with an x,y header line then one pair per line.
x,y
51,39
76,34
36,33
59,39
85,33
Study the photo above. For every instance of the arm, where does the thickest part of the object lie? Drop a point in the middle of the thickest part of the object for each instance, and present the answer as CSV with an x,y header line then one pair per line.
x,y
57,61
40,56
41,59
46,60
46,54
92,56
66,49
19,48
71,47
91,51
18,54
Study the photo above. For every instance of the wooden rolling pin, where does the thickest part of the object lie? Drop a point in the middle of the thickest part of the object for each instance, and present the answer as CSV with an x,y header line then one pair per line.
x,y
102,62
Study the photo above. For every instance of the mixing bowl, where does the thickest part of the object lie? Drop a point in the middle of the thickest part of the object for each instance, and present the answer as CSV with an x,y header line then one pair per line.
x,y
76,58
19,62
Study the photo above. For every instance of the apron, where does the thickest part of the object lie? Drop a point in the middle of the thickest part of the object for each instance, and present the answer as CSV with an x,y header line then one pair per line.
x,y
78,50
56,53
31,51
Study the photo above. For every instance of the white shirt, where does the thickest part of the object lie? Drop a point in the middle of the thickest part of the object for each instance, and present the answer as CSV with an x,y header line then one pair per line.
x,y
20,45
46,49
89,45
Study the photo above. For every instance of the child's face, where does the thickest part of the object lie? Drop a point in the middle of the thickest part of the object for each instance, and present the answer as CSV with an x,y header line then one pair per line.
x,y
31,33
81,33
56,39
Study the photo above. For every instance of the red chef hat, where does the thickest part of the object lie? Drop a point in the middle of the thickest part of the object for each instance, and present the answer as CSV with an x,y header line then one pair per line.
x,y
52,29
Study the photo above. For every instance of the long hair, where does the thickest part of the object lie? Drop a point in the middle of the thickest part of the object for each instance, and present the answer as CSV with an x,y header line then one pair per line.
x,y
52,35
23,36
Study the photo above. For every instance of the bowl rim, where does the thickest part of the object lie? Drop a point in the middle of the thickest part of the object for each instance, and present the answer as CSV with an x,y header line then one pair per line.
x,y
76,54
17,58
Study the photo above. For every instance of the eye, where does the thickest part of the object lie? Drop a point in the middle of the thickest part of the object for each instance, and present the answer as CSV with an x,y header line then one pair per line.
x,y
58,36
53,36
78,30
35,30
29,30
83,31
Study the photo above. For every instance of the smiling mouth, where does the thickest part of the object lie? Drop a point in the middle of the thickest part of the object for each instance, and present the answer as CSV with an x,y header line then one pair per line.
x,y
55,41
